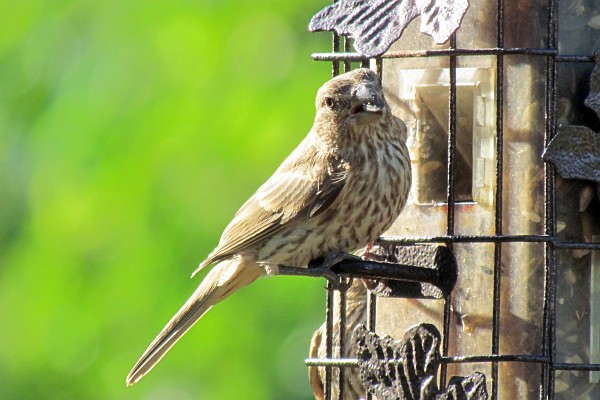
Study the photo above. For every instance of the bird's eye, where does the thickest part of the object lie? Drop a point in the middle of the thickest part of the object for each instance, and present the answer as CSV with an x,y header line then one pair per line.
x,y
329,102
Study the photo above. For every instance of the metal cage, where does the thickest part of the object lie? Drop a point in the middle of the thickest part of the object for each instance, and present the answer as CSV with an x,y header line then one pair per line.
x,y
546,363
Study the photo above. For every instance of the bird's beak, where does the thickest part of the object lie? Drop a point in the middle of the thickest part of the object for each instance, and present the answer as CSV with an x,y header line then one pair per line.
x,y
367,104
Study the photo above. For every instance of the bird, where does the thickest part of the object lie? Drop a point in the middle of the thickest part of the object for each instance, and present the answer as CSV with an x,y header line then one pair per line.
x,y
356,314
340,189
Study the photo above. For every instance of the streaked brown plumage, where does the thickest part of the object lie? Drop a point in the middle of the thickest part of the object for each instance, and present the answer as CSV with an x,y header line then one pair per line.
x,y
356,314
340,189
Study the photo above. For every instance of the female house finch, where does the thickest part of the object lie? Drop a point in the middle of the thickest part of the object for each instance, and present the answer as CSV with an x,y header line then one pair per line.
x,y
340,189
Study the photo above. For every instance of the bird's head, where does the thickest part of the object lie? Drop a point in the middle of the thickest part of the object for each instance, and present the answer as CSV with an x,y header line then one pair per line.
x,y
352,100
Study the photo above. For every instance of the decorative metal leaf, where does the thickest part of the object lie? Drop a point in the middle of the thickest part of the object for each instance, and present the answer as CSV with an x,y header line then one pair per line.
x,y
593,99
471,387
575,151
412,373
376,24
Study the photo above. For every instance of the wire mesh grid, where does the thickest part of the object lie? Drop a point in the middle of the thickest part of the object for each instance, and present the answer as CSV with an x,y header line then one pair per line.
x,y
546,359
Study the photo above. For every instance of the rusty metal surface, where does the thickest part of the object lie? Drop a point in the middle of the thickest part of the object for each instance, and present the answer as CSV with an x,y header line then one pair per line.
x,y
376,24
407,369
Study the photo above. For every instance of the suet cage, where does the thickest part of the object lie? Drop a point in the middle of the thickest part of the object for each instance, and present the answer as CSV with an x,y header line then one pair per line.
x,y
482,111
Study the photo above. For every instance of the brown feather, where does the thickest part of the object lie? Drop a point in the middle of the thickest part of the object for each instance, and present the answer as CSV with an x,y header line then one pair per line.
x,y
287,196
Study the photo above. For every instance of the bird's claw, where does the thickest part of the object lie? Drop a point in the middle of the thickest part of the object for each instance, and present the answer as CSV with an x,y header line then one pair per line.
x,y
367,254
324,265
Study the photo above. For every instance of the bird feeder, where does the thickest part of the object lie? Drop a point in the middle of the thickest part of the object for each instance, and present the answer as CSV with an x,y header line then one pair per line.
x,y
502,106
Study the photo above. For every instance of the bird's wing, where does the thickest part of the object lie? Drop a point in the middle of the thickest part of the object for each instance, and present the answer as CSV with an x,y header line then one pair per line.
x,y
292,193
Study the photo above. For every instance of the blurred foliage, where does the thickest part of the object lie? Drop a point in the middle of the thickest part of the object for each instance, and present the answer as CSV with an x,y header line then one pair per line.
x,y
130,133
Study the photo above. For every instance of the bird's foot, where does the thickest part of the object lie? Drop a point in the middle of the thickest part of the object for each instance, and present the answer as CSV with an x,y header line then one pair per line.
x,y
367,254
324,266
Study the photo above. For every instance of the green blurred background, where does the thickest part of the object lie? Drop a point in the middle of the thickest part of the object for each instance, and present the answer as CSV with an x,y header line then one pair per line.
x,y
130,133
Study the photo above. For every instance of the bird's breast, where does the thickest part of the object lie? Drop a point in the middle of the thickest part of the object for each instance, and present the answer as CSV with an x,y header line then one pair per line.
x,y
372,198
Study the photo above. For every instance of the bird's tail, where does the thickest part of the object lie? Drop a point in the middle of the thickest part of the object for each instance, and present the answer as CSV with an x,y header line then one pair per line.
x,y
224,279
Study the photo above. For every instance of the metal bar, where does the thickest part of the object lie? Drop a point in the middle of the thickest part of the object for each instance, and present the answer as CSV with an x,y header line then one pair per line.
x,y
370,269
335,68
575,367
371,320
347,48
371,311
352,56
372,298
342,338
406,240
446,336
549,312
450,192
472,239
577,245
328,338
538,359
528,358
499,185
574,59
341,299
335,71
451,142
334,362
